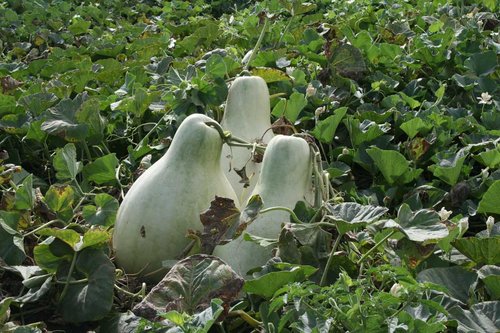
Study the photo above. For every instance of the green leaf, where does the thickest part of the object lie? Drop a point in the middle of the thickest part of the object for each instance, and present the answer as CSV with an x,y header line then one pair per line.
x,y
60,198
79,25
423,225
94,238
7,104
489,158
393,165
37,103
456,280
68,236
215,66
267,284
365,131
348,61
415,126
480,250
290,108
351,215
25,195
62,119
448,168
65,162
490,275
50,256
190,285
104,211
91,300
325,129
11,245
482,317
482,63
270,74
102,170
489,202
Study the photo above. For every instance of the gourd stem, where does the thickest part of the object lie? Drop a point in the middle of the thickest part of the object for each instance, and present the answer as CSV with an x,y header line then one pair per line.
x,y
257,45
232,140
70,272
364,256
72,282
45,225
286,209
246,317
330,259
139,294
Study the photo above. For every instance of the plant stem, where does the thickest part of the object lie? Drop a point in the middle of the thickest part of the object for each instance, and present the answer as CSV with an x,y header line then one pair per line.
x,y
364,256
330,259
286,209
257,45
87,150
70,272
138,294
246,317
45,225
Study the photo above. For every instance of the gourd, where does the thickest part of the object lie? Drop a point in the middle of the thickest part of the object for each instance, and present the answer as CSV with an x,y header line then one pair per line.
x,y
247,116
166,200
285,179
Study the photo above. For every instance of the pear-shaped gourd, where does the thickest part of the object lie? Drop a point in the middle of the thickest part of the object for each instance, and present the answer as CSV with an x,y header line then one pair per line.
x,y
285,179
247,116
166,200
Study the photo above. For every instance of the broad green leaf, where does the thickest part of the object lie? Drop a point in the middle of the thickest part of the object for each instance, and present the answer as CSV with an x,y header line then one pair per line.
x,y
490,201
65,163
11,245
102,170
448,167
7,104
412,103
348,61
490,275
393,165
351,215
215,66
423,225
38,286
482,63
414,126
482,317
37,103
365,131
489,158
62,119
104,211
325,130
190,285
480,250
455,279
68,236
4,309
203,321
50,256
91,300
94,238
267,284
79,25
60,198
25,195
291,107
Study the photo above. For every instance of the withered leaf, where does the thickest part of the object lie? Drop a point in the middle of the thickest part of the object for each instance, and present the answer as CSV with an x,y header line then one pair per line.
x,y
283,126
190,285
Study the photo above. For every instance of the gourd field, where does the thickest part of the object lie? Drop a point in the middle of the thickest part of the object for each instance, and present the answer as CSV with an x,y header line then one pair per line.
x,y
243,166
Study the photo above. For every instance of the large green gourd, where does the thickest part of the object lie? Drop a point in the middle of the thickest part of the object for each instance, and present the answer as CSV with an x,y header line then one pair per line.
x,y
247,116
285,179
165,201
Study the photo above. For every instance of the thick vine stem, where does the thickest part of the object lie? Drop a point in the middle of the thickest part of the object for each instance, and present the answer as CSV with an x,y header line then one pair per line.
x,y
257,45
330,259
364,256
232,140
286,209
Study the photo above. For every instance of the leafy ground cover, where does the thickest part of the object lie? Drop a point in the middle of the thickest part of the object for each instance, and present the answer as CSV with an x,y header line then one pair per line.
x,y
400,96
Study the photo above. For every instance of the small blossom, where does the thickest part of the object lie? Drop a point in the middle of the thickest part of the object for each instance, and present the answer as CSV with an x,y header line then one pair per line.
x,y
489,224
319,111
310,91
444,214
397,290
485,98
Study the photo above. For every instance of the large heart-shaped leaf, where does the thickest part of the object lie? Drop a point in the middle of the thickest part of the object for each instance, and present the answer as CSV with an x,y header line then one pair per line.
x,y
489,202
90,300
482,317
423,225
351,215
490,275
480,250
189,287
457,280
393,165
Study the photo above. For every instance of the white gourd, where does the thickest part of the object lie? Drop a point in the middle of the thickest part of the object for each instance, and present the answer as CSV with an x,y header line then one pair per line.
x,y
285,179
247,116
165,201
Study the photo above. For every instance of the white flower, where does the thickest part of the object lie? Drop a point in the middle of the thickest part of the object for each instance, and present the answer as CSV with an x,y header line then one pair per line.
x,y
490,222
397,290
444,214
485,98
310,91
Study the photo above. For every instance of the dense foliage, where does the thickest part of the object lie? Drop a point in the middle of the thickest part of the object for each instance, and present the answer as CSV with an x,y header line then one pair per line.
x,y
400,97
